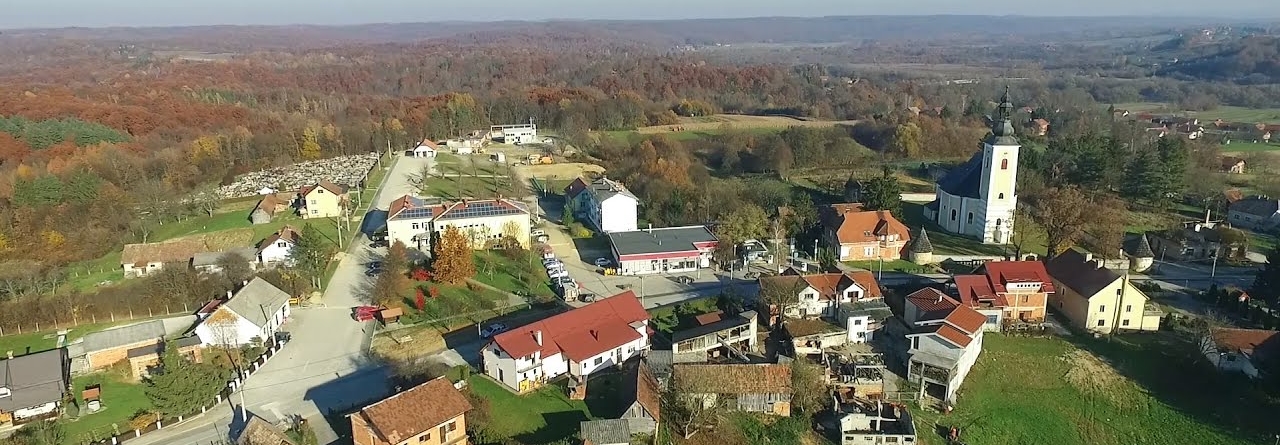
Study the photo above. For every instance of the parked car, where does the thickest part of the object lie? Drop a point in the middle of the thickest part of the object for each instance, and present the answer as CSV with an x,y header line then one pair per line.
x,y
557,273
587,297
378,243
565,281
537,232
546,262
365,313
542,238
492,330
684,280
603,261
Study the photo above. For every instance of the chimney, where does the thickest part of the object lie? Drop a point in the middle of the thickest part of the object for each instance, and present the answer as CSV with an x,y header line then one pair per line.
x,y
1197,227
228,294
939,298
1207,213
1099,263
1088,256
537,336
10,354
244,283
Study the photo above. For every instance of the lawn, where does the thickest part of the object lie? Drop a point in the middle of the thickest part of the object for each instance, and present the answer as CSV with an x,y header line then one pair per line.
x,y
1137,389
451,303
630,136
1226,113
546,415
945,243
120,400
458,187
895,265
1246,147
495,269
669,318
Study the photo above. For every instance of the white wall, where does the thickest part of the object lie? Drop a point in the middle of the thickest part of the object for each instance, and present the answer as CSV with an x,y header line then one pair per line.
x,y
968,357
244,330
275,253
481,230
645,267
860,329
35,410
1229,361
403,231
618,214
610,358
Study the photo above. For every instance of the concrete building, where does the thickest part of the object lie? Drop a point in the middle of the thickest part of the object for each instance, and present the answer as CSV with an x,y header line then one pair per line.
x,y
32,385
252,314
820,295
417,222
920,250
663,250
1007,292
104,348
978,198
604,204
717,334
143,358
515,134
433,413
211,262
868,423
578,343
945,340
854,234
1254,213
322,200
864,318
425,149
1098,299
141,259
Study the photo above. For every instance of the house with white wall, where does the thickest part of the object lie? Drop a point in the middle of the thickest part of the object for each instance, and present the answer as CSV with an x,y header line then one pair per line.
x,y
1242,350
820,295
417,222
425,149
252,314
945,339
278,247
863,319
604,204
579,342
662,250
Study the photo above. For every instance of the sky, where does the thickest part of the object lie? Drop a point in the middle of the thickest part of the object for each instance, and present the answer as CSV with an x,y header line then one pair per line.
x,y
101,13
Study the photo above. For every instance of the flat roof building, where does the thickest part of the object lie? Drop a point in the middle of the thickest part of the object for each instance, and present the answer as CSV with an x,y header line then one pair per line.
x,y
662,250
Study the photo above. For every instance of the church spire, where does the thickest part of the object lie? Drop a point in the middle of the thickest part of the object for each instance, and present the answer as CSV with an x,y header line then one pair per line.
x,y
1001,124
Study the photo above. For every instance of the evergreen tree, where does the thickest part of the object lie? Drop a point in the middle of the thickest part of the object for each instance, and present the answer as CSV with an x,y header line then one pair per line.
x,y
883,193
310,255
1266,284
1174,160
180,387
1145,179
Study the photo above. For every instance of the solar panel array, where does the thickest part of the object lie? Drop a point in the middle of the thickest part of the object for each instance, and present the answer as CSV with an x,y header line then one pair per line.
x,y
415,213
480,210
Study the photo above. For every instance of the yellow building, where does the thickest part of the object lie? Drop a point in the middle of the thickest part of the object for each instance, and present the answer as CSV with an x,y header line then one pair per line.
x,y
322,200
1098,299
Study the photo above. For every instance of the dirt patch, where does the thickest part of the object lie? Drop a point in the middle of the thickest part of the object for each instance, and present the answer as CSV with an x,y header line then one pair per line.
x,y
224,239
568,170
720,121
408,343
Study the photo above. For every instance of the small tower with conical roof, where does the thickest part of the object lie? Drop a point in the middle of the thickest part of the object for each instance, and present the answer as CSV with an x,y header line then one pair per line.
x,y
920,251
1141,258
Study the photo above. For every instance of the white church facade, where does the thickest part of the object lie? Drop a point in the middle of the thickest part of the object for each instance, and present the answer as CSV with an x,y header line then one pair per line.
x,y
978,198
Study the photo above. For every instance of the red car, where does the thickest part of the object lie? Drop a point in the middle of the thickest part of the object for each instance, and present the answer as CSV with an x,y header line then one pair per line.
x,y
365,313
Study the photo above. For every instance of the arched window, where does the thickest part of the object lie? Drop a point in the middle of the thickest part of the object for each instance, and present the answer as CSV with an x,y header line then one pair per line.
x,y
1000,196
998,221
970,218
953,214
1004,164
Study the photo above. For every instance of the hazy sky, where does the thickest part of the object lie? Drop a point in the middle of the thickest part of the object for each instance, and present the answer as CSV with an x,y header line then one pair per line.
x,y
97,13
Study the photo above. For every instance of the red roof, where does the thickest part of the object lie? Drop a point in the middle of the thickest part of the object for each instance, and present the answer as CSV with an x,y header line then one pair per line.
x,y
932,300
851,224
331,187
581,333
574,188
1001,273
428,143
959,322
976,289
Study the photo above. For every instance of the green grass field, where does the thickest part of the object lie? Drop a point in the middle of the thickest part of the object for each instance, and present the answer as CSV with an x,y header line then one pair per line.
x,y
1135,389
1226,113
120,400
546,415
677,316
895,265
628,136
457,187
1249,147
949,243
497,270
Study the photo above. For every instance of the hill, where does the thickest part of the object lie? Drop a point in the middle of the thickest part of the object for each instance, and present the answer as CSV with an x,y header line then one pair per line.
x,y
1251,60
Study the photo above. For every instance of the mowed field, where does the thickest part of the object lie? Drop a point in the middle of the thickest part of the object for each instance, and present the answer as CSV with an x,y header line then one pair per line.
x,y
700,127
1226,113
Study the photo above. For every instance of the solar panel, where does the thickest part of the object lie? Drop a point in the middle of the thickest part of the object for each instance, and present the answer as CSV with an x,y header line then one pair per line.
x,y
416,213
480,209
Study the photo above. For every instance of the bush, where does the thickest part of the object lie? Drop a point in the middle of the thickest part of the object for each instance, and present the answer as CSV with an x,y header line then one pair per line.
x,y
577,230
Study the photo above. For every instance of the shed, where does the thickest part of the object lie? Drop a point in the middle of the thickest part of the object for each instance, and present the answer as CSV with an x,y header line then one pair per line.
x,y
605,432
391,315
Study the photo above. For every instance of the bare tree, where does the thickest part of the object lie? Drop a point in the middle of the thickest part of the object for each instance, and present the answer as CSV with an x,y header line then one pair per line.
x,y
689,413
781,293
206,199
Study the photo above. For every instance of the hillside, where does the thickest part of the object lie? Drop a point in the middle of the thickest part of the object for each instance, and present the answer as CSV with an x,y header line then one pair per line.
x,y
1252,60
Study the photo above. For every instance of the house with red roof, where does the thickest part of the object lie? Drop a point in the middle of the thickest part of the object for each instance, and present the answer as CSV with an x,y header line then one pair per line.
x,y
1006,292
323,199
820,295
578,342
854,234
945,338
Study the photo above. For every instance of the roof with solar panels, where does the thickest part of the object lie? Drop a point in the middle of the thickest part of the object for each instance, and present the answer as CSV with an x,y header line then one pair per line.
x,y
409,207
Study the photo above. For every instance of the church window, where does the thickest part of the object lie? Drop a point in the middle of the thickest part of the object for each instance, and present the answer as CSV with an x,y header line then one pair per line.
x,y
953,214
1004,164
998,221
1000,196
970,218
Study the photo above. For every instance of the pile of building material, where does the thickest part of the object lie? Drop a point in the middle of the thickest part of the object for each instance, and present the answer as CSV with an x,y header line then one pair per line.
x,y
342,170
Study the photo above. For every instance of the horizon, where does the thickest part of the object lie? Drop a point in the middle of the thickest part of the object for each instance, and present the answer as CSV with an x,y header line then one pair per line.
x,y
93,14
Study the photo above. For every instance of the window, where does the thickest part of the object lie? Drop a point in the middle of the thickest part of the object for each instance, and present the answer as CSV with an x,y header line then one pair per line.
x,y
862,335
1102,308
599,360
425,437
1128,308
869,251
915,343
1004,164
970,218
1124,322
857,322
953,214
617,352
312,202
500,375
315,212
453,426
993,319
1102,322
4,392
414,226
443,432
1026,298
281,244
1119,292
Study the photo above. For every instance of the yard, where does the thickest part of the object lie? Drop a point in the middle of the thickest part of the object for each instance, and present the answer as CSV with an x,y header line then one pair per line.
x,y
458,187
1249,147
497,270
121,401
895,265
667,319
1133,389
31,342
546,415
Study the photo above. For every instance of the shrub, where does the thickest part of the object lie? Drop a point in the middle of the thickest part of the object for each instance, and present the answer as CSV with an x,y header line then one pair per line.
x,y
577,230
420,274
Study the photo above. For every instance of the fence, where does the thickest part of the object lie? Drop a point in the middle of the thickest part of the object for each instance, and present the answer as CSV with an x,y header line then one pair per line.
x,y
73,320
225,394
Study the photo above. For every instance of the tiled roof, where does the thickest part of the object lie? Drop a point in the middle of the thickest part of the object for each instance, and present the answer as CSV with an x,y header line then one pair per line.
x,y
605,432
966,319
286,233
976,289
946,317
854,225
581,333
642,387
921,244
179,251
574,188
708,318
259,432
331,187
1081,275
124,335
954,335
409,207
708,325
1255,342
271,202
605,188
1142,249
828,285
429,144
1000,273
732,379
402,416
931,300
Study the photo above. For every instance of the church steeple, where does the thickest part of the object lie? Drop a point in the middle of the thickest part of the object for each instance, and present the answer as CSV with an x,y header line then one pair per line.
x,y
1001,124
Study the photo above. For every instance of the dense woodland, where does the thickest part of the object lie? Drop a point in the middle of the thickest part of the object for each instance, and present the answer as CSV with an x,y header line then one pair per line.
x,y
104,137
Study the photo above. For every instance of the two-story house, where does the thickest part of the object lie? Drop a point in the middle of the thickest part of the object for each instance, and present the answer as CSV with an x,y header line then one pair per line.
x,y
1254,212
433,413
717,334
252,314
322,200
33,385
417,222
854,234
1006,292
819,295
278,247
1099,299
578,342
945,339
605,203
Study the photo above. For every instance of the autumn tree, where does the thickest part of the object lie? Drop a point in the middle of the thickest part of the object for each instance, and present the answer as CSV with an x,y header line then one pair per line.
x,y
1107,219
206,199
235,267
908,140
452,257
180,387
808,390
1063,213
389,287
746,222
781,293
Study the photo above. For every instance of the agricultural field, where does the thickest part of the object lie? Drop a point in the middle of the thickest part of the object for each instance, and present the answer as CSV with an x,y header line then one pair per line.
x,y
1250,147
691,128
1226,113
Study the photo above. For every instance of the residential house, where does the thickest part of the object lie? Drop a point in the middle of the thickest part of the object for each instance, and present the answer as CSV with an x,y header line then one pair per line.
x,y
211,262
579,342
820,295
271,205
1248,351
662,250
1099,299
604,203
142,259
251,315
104,348
278,247
417,222
1007,292
425,149
433,413
862,319
641,394
854,234
258,432
515,134
1195,241
33,385
813,336
945,338
1040,126
143,358
323,199
605,432
757,388
717,334
1233,165
866,422
1254,212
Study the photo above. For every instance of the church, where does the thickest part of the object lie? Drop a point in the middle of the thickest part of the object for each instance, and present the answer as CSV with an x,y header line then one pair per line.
x,y
977,199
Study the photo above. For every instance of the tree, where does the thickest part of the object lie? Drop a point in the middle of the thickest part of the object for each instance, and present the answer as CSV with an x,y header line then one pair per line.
x,y
389,287
808,391
452,257
1107,222
740,224
781,293
310,255
1024,229
1266,283
883,193
235,267
206,199
180,387
827,260
1063,214
688,414
39,433
511,231
908,140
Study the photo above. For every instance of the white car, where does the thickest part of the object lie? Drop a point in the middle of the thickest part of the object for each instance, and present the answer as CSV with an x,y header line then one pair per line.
x,y
537,232
556,273
547,262
492,330
602,262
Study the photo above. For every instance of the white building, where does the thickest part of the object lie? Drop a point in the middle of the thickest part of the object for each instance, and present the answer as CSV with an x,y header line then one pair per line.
x,y
579,342
1241,350
945,340
605,204
278,247
426,149
516,134
254,313
977,199
664,250
820,295
416,222
862,319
